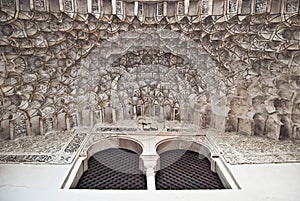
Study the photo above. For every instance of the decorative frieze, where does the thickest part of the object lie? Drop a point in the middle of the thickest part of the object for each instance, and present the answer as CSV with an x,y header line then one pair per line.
x,y
140,9
96,5
232,6
205,7
160,9
19,127
119,8
54,148
180,8
68,5
8,3
75,143
291,6
260,6
40,5
26,159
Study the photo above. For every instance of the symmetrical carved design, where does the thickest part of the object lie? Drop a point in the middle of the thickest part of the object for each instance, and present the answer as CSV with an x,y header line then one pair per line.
x,y
160,9
26,159
75,143
180,8
43,77
40,5
54,148
232,6
95,6
291,6
260,6
20,127
119,8
205,7
242,149
146,82
140,10
68,5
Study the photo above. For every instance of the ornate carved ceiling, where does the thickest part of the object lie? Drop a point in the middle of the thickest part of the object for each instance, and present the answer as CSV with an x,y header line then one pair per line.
x,y
254,45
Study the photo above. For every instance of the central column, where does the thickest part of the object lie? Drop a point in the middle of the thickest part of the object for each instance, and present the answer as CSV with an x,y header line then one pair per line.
x,y
150,174
150,165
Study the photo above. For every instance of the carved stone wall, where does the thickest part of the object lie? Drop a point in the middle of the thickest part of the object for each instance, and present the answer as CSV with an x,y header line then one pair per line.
x,y
254,46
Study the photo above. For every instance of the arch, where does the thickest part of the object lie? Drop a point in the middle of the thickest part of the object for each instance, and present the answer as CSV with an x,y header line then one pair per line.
x,y
176,143
113,168
203,150
114,142
123,144
176,175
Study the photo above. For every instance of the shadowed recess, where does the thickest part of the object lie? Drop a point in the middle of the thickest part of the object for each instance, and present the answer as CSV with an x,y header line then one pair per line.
x,y
182,169
113,169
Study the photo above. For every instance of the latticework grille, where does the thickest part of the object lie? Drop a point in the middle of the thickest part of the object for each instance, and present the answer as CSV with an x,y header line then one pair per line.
x,y
181,169
113,169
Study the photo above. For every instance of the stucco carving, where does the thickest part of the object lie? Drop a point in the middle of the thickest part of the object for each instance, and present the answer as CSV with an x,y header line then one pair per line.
x,y
44,87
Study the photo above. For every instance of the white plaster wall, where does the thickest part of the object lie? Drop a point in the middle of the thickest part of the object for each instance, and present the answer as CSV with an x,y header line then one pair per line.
x,y
28,177
272,179
274,182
